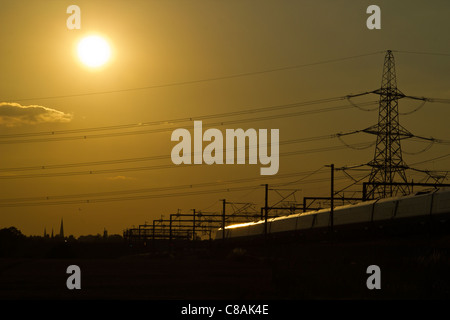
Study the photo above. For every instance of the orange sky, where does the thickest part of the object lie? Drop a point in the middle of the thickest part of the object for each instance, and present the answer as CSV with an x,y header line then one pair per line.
x,y
161,50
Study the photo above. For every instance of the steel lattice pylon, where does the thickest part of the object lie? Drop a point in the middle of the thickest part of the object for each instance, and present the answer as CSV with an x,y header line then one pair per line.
x,y
387,164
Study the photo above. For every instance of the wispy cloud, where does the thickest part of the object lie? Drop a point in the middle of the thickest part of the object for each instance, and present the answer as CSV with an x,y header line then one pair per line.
x,y
13,114
116,178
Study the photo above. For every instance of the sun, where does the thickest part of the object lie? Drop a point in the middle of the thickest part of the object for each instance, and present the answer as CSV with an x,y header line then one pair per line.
x,y
94,51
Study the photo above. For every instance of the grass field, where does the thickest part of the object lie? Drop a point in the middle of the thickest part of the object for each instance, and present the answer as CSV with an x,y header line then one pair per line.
x,y
411,268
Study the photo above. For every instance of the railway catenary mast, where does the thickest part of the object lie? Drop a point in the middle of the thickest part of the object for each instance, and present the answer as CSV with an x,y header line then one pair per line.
x,y
387,164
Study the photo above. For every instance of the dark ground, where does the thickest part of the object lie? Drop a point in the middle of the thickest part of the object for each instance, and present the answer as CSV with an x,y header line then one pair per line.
x,y
411,268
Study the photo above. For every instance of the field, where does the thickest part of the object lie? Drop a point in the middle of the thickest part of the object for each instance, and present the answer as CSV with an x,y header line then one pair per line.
x,y
411,268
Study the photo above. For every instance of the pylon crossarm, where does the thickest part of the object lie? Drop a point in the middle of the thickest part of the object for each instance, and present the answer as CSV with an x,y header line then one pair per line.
x,y
383,166
403,134
391,92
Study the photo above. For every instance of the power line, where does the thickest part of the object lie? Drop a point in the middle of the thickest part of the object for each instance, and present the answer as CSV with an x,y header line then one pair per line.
x,y
414,110
158,157
353,147
175,120
142,197
431,143
157,189
402,135
201,117
355,182
433,159
301,179
357,106
181,83
423,53
160,130
22,202
156,167
358,146
238,113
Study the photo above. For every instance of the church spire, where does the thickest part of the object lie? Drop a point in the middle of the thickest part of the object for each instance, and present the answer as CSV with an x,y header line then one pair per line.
x,y
61,230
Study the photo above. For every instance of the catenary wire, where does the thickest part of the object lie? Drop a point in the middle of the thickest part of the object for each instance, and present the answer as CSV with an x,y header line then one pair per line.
x,y
139,197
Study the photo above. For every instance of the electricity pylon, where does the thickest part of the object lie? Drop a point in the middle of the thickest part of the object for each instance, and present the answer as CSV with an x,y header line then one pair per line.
x,y
387,164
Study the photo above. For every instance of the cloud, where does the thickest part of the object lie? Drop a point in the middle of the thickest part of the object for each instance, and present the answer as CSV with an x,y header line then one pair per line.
x,y
13,114
120,178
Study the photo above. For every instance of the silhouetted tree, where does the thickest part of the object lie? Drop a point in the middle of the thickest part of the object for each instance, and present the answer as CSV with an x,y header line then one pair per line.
x,y
10,241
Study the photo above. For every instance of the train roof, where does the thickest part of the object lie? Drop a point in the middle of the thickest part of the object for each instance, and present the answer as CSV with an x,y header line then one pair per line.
x,y
339,208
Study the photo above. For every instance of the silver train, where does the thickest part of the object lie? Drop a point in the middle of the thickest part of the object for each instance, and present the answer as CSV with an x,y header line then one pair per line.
x,y
413,211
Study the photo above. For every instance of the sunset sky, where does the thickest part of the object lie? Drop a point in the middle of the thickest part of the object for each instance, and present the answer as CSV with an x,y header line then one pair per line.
x,y
70,133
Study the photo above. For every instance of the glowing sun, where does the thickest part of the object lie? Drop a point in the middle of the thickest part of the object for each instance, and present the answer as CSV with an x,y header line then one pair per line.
x,y
94,51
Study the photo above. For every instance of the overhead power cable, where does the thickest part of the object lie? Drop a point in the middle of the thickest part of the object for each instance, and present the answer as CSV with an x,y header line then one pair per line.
x,y
150,158
165,129
359,107
423,53
138,197
431,160
414,110
175,120
160,130
157,189
190,82
355,147
428,147
155,167
405,135
301,179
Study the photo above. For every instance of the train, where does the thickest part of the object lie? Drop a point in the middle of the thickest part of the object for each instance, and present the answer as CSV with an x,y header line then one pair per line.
x,y
425,211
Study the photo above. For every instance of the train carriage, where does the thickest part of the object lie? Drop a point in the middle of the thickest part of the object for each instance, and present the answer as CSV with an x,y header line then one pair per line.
x,y
399,213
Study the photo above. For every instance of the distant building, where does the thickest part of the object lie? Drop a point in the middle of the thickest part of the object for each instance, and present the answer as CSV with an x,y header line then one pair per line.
x,y
61,229
61,232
